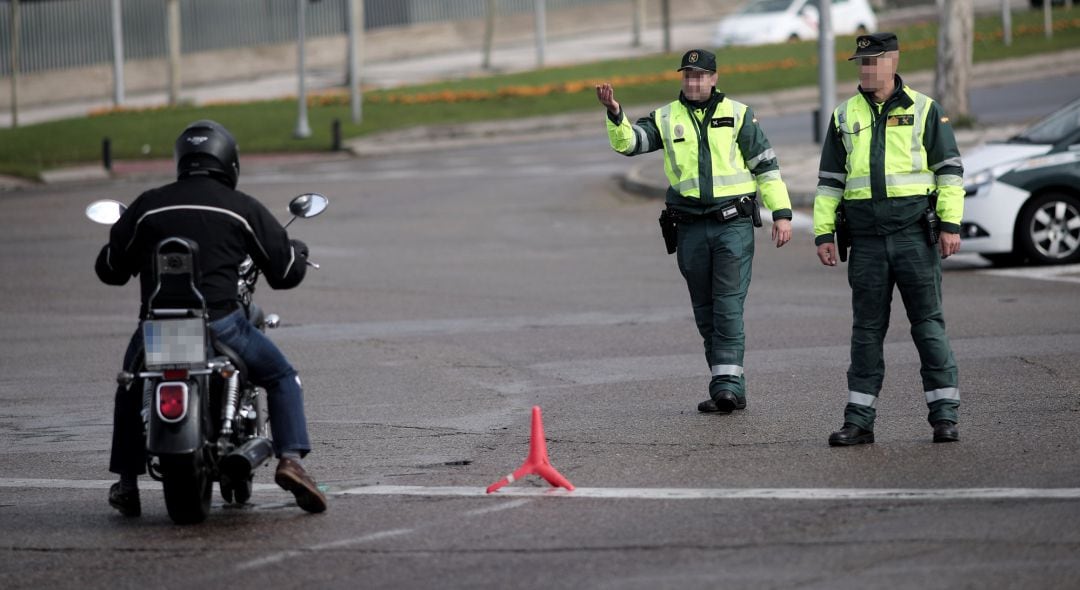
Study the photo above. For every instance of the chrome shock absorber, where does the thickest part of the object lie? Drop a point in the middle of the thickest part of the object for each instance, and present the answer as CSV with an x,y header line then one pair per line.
x,y
232,398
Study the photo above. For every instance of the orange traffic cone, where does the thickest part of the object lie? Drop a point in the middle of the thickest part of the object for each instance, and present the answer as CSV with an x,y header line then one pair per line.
x,y
537,462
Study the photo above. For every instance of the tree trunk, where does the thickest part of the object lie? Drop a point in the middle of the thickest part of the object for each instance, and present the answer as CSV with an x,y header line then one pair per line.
x,y
955,38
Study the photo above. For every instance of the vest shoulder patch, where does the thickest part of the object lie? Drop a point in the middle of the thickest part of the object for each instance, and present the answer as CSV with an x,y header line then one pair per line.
x,y
722,122
900,120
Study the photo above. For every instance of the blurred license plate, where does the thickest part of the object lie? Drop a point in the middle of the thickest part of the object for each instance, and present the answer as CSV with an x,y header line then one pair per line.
x,y
174,342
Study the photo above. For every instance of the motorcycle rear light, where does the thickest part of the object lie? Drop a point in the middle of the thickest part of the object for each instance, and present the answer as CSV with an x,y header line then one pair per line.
x,y
172,400
175,374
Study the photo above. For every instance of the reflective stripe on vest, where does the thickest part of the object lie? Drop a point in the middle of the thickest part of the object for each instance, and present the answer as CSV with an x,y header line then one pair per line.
x,y
730,175
906,171
669,150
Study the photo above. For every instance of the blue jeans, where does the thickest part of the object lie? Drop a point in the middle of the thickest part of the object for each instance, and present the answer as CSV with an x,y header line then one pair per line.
x,y
267,367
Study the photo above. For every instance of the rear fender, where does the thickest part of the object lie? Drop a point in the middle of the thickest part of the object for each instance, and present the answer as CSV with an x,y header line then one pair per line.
x,y
184,435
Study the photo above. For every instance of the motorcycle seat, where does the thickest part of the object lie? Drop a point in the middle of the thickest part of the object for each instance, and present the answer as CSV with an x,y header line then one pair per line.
x,y
222,349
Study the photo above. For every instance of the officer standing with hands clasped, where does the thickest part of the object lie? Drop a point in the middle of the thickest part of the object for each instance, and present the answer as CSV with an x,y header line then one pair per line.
x,y
890,186
716,159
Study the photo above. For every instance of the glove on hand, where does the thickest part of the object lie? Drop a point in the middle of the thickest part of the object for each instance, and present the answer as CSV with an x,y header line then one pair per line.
x,y
301,249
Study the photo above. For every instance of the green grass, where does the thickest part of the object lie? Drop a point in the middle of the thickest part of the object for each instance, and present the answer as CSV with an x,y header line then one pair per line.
x,y
267,126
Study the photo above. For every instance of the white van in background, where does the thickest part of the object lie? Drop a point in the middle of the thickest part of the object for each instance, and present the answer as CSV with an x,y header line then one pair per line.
x,y
776,21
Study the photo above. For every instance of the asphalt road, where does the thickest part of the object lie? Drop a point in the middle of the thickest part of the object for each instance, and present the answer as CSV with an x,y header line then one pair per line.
x,y
460,289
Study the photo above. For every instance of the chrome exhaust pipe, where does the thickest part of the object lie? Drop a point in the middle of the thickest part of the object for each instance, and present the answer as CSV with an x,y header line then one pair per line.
x,y
248,457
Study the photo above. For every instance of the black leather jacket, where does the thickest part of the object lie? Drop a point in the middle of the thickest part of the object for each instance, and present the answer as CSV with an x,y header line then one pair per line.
x,y
225,223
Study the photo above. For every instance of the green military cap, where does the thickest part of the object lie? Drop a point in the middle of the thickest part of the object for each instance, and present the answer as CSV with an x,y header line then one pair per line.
x,y
698,59
874,45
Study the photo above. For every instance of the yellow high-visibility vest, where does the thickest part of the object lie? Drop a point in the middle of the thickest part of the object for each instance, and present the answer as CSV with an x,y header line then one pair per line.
x,y
907,173
679,129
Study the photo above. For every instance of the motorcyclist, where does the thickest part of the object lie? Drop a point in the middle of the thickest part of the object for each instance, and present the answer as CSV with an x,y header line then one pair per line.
x,y
227,225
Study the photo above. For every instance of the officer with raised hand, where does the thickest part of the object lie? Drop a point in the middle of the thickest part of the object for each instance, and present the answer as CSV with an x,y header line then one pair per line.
x,y
890,168
717,159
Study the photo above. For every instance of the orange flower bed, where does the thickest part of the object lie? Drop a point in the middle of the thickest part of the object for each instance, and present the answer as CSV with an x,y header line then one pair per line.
x,y
341,97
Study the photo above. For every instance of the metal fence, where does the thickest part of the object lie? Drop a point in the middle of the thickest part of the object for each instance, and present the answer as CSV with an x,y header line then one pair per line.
x,y
58,34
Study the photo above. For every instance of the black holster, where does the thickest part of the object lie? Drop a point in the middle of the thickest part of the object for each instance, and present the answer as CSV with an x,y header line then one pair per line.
x,y
749,207
669,228
843,233
930,220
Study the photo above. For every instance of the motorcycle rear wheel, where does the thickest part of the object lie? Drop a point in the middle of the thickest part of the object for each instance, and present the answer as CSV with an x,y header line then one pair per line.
x,y
187,488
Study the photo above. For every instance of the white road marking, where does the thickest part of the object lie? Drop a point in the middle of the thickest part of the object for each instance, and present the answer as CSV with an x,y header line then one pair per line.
x,y
497,508
282,555
96,484
731,493
628,493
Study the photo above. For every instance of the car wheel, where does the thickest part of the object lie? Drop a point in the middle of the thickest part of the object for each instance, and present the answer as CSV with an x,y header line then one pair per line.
x,y
793,38
861,30
1049,228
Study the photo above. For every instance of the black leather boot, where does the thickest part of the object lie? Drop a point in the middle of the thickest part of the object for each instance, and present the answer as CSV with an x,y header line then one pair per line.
x,y
126,502
709,406
946,431
723,402
849,435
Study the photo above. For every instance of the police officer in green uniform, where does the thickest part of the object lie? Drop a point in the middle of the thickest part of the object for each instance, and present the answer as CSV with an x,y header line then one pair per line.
x,y
891,169
717,159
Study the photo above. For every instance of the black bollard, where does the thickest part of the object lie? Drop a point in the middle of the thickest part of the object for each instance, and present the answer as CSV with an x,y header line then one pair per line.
x,y
106,153
816,125
335,133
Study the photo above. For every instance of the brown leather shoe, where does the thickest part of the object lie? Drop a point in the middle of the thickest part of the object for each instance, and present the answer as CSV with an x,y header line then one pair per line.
x,y
291,476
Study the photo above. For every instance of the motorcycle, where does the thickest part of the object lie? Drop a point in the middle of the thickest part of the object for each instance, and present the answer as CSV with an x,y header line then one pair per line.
x,y
203,420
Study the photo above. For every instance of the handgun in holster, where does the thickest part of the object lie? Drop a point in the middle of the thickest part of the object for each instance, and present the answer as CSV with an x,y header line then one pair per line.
x,y
930,220
843,233
748,207
669,227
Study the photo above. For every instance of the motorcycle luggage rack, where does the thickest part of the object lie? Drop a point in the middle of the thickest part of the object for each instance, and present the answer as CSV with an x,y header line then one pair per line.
x,y
176,313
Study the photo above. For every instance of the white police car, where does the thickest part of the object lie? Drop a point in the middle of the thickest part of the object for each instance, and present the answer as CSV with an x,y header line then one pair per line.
x,y
1023,195
775,21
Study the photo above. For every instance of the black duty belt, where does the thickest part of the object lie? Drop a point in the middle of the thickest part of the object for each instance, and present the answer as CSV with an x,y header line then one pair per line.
x,y
740,207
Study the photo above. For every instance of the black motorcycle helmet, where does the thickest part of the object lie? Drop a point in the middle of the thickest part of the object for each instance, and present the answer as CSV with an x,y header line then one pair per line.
x,y
206,147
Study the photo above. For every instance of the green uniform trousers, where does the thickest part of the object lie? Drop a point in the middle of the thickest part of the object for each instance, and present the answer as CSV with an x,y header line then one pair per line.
x,y
875,265
715,259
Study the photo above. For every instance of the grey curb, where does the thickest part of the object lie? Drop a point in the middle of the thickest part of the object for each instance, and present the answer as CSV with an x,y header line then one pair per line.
x,y
797,162
448,137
